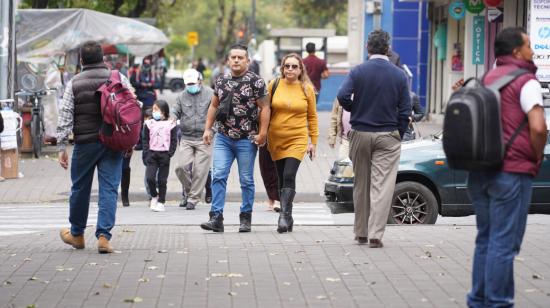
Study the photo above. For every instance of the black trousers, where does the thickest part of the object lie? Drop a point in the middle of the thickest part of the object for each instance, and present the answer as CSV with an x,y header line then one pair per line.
x,y
269,174
157,162
286,170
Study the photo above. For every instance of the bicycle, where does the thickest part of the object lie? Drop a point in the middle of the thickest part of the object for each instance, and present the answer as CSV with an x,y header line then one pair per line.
x,y
37,118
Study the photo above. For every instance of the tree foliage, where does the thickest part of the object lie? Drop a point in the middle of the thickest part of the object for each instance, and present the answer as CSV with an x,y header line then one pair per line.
x,y
319,13
216,21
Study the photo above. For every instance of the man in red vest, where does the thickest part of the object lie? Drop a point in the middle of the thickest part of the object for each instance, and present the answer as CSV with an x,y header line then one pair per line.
x,y
501,199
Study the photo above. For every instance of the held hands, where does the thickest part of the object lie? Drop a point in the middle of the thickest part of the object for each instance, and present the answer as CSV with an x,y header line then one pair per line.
x,y
207,137
63,159
260,140
311,150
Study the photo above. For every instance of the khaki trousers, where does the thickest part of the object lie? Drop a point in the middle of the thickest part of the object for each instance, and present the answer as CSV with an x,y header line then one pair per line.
x,y
375,158
194,159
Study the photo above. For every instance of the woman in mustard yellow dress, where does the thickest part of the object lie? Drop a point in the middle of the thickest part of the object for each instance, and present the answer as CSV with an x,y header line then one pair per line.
x,y
293,130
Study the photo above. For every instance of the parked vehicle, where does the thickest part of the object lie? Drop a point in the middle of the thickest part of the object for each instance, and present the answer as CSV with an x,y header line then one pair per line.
x,y
426,187
174,81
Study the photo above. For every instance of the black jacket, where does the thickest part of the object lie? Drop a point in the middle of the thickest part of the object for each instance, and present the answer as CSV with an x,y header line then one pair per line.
x,y
1,123
87,104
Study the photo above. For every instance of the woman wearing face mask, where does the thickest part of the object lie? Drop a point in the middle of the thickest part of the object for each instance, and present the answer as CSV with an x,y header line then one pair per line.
x,y
159,144
194,156
293,130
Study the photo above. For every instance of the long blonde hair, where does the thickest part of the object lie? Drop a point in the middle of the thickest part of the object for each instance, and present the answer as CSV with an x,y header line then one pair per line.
x,y
303,77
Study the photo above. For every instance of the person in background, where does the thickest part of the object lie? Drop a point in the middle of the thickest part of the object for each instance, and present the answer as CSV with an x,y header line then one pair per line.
x,y
339,128
144,81
416,116
501,198
376,93
238,136
200,67
293,130
194,159
255,64
160,141
316,68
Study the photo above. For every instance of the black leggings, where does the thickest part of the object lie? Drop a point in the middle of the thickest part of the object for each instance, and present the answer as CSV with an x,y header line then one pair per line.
x,y
286,171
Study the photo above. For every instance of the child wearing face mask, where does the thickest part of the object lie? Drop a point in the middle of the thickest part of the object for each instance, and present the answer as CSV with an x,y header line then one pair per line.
x,y
159,144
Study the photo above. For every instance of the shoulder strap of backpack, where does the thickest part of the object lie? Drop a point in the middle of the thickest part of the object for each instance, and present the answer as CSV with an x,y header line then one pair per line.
x,y
115,76
506,79
273,88
501,83
516,133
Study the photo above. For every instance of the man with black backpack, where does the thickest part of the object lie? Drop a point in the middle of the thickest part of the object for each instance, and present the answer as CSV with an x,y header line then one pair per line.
x,y
81,114
501,197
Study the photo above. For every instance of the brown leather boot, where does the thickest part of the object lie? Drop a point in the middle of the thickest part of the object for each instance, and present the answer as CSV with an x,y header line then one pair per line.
x,y
103,245
75,241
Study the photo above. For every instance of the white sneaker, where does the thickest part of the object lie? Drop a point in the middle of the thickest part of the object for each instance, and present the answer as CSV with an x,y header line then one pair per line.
x,y
159,207
153,203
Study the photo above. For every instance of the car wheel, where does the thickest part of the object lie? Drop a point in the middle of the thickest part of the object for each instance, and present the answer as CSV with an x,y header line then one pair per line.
x,y
413,203
177,85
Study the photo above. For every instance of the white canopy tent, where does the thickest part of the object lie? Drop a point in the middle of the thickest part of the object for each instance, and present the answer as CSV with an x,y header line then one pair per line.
x,y
42,34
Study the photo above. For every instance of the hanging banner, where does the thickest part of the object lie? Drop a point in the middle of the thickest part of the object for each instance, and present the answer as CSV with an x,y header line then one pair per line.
x,y
478,40
539,33
457,10
474,6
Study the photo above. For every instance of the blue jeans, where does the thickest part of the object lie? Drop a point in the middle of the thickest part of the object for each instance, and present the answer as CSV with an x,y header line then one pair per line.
x,y
226,150
86,157
501,203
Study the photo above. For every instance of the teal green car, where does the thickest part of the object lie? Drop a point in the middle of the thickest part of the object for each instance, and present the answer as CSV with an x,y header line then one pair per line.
x,y
426,187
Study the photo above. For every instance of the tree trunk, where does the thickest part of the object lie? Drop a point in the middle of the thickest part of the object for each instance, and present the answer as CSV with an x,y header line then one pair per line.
x,y
219,27
39,4
116,6
155,7
140,7
224,39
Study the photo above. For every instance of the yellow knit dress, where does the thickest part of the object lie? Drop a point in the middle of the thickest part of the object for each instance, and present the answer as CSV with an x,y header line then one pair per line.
x,y
293,119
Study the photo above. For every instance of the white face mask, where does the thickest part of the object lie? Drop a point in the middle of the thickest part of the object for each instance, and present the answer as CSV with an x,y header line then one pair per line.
x,y
157,115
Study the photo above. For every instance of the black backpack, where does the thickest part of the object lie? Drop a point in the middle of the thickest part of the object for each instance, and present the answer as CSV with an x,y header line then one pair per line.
x,y
472,128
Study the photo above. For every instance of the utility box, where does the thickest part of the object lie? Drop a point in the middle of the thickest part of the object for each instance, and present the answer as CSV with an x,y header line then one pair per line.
x,y
9,164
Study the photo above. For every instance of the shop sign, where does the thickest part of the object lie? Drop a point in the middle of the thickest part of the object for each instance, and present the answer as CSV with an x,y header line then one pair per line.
x,y
478,40
457,10
539,32
474,6
494,14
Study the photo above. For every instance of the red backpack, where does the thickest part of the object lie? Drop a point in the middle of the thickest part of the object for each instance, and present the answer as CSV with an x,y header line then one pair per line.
x,y
121,114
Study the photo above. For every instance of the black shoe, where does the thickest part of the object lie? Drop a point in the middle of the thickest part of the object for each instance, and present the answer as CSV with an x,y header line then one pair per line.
x,y
191,206
183,202
215,223
286,222
246,222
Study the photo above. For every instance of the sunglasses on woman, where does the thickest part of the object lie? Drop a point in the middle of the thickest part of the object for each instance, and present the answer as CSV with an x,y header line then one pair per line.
x,y
294,66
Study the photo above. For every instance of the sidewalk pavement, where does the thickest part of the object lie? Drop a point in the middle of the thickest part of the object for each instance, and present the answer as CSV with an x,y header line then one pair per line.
x,y
45,181
183,266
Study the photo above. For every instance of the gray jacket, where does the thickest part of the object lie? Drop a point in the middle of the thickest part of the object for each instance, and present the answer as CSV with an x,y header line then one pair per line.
x,y
191,110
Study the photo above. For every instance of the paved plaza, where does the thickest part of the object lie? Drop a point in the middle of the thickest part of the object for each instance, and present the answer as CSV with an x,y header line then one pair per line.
x,y
166,260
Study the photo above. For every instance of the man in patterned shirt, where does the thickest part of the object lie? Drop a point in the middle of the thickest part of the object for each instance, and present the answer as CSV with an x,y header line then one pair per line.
x,y
238,136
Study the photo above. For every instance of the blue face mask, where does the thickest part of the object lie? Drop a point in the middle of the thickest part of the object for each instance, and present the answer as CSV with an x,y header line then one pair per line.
x,y
193,89
157,116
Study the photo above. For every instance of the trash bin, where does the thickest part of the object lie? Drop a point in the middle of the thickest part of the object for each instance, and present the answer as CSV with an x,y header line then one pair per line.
x,y
9,157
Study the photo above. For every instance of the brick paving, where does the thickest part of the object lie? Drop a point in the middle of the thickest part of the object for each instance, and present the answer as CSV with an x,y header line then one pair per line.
x,y
183,266
45,181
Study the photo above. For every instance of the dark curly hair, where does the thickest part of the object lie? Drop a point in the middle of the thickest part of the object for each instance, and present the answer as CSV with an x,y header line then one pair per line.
x,y
378,42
